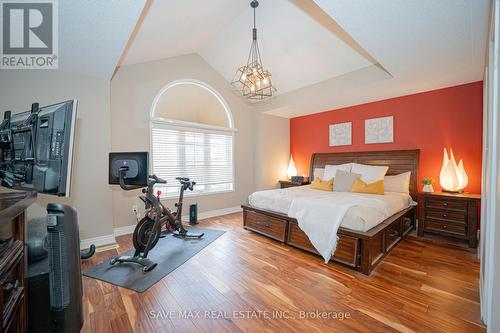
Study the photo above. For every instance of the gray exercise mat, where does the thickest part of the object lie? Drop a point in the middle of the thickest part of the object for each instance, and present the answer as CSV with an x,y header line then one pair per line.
x,y
169,253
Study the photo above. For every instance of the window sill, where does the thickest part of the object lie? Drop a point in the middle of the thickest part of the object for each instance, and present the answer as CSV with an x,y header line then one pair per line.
x,y
187,194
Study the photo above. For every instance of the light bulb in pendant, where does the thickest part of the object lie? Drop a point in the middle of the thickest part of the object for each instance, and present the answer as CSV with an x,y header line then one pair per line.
x,y
252,88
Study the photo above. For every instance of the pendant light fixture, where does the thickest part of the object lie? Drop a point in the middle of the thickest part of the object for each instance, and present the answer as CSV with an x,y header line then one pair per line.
x,y
252,80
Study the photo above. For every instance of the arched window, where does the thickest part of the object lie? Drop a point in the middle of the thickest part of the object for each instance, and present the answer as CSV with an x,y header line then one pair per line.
x,y
192,136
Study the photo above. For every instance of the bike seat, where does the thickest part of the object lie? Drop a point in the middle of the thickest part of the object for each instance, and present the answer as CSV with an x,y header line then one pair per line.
x,y
182,179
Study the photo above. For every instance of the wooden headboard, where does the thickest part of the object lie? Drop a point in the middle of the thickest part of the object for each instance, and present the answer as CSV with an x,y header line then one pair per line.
x,y
398,161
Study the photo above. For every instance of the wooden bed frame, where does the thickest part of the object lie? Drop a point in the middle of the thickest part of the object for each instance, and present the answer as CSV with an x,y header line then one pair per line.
x,y
361,251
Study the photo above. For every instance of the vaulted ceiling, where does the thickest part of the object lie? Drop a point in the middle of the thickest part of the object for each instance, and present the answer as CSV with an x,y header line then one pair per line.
x,y
297,49
93,34
325,54
423,45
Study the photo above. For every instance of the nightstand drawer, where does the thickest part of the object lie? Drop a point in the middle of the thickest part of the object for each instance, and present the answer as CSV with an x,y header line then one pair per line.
x,y
450,229
455,205
447,215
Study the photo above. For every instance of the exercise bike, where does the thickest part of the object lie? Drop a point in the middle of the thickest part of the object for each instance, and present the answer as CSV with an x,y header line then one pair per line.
x,y
158,220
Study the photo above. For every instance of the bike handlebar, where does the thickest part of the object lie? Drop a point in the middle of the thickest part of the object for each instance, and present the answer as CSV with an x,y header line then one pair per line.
x,y
157,180
191,186
126,187
183,180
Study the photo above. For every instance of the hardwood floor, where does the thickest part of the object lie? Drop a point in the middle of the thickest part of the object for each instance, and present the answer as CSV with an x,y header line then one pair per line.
x,y
244,282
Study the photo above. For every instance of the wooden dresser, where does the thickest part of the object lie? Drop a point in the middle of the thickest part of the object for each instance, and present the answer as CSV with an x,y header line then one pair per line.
x,y
13,260
449,214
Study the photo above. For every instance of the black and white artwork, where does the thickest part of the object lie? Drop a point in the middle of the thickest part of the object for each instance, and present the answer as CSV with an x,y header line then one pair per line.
x,y
341,134
379,130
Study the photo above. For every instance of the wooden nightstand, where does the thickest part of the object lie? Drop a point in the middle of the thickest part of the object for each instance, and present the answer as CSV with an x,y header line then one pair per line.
x,y
449,214
287,183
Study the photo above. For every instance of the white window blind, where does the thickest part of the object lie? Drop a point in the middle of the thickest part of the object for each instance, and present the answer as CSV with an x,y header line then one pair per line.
x,y
205,156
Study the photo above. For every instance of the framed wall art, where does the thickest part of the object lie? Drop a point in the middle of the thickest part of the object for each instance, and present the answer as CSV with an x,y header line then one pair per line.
x,y
379,130
341,134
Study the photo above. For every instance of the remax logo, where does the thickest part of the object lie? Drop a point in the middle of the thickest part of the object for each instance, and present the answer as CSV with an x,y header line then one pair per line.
x,y
29,34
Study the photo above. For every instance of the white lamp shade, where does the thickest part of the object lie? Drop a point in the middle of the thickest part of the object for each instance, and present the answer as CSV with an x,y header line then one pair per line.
x,y
292,170
452,177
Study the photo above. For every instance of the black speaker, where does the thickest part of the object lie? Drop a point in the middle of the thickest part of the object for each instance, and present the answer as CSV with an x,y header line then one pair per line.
x,y
39,315
55,283
193,214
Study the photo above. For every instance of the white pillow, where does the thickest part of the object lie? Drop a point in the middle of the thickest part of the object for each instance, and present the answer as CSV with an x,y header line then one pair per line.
x,y
370,173
398,183
331,170
318,173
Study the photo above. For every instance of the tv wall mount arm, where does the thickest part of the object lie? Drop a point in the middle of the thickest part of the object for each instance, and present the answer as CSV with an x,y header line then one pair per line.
x,y
7,134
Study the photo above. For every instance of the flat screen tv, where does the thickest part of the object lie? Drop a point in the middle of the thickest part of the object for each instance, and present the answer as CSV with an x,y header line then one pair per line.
x,y
36,148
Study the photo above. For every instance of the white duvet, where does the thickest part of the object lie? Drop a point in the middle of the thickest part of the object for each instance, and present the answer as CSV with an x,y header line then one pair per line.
x,y
321,213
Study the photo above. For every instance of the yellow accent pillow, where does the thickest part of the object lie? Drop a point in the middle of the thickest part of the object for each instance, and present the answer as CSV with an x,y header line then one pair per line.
x,y
360,186
323,185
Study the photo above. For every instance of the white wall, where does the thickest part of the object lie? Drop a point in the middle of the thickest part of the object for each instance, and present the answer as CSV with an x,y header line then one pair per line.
x,y
114,117
492,192
490,205
132,92
272,151
192,103
90,193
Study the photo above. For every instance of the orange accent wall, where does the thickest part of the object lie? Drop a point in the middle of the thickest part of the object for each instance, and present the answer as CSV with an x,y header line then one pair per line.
x,y
450,117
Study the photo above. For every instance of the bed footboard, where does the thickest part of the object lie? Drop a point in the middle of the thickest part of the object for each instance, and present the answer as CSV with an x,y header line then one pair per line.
x,y
361,251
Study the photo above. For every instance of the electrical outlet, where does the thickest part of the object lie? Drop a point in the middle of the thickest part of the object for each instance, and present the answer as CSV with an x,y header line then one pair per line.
x,y
135,210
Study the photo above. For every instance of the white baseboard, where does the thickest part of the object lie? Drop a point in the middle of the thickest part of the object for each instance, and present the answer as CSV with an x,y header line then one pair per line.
x,y
110,240
98,241
215,213
127,230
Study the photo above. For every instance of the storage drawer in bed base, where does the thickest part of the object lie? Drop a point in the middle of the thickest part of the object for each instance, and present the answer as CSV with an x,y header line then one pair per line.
x,y
347,251
269,226
359,250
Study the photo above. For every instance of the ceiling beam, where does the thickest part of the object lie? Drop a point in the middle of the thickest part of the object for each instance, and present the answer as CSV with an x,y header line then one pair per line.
x,y
137,27
312,9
